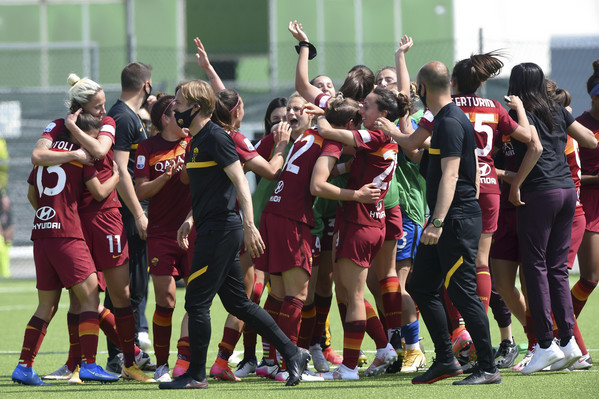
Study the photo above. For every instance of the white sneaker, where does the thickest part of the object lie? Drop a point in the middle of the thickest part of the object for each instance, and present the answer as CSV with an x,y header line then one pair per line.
x,y
142,359
245,368
543,358
571,354
282,376
144,341
309,376
525,360
318,360
384,358
584,363
162,373
342,373
62,373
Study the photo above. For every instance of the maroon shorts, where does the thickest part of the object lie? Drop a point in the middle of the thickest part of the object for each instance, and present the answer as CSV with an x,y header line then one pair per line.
x,y
505,239
326,241
106,238
393,224
578,228
489,205
61,262
288,244
590,203
167,258
358,243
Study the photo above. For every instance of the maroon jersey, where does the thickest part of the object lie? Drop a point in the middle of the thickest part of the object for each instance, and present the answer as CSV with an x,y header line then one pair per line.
x,y
376,158
245,148
103,166
322,100
589,158
58,190
573,159
291,197
167,209
490,120
266,146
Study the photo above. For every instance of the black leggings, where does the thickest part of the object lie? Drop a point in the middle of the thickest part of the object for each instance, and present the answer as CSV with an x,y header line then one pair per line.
x,y
216,270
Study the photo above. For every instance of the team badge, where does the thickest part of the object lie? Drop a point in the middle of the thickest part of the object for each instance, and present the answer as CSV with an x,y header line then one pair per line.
x,y
141,162
49,128
154,261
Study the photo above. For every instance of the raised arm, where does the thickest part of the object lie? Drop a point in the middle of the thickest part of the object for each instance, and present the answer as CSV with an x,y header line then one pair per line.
x,y
401,68
342,136
302,81
42,155
97,147
584,136
204,63
409,141
270,169
523,132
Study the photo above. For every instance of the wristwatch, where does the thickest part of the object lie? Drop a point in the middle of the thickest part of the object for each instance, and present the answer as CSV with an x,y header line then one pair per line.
x,y
438,223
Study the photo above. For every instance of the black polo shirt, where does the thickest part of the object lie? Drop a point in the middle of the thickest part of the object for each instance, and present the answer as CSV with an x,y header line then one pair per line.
x,y
213,195
453,136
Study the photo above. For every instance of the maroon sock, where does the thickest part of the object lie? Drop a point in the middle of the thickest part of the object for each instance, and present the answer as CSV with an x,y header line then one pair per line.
x,y
374,328
34,335
162,327
89,326
290,317
74,358
125,324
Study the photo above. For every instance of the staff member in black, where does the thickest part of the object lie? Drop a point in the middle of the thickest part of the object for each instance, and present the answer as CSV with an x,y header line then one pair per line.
x,y
449,242
217,183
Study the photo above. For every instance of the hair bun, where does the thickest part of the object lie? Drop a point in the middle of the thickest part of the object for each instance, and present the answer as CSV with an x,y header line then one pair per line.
x,y
596,67
73,79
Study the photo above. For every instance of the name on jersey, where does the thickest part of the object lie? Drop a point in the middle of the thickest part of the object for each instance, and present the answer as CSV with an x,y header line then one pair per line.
x,y
377,214
63,145
473,102
46,226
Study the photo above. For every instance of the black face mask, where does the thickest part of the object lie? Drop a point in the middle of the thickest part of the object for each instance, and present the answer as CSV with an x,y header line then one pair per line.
x,y
147,95
184,118
422,98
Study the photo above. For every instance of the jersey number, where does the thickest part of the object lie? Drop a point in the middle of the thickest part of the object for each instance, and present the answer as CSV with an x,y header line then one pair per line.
x,y
111,240
479,120
309,140
51,191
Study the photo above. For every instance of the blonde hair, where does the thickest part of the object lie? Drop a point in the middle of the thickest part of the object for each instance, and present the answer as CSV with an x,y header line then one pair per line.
x,y
81,91
199,92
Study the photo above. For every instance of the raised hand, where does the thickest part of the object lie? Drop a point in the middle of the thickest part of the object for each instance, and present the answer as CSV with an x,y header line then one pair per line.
x,y
297,31
405,44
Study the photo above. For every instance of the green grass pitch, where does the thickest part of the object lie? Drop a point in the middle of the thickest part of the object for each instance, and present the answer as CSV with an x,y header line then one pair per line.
x,y
18,301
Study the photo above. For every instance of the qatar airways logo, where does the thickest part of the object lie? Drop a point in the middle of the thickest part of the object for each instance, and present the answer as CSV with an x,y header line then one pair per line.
x,y
45,213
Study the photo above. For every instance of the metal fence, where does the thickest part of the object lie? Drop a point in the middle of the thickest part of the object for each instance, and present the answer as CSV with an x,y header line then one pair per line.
x,y
25,109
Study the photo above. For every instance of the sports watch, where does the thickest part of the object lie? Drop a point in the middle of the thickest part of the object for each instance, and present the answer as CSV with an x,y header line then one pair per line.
x,y
438,223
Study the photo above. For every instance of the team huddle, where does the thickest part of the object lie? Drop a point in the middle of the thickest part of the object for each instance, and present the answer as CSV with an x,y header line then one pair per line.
x,y
429,195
